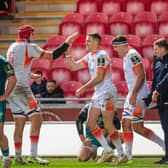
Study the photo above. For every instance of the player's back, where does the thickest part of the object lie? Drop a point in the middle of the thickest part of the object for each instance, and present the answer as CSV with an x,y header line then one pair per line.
x,y
20,54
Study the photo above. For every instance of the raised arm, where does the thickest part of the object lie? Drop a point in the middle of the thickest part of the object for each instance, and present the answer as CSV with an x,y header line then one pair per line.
x,y
73,66
60,49
93,82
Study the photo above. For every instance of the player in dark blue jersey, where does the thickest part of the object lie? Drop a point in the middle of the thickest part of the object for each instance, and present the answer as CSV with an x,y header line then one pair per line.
x,y
7,83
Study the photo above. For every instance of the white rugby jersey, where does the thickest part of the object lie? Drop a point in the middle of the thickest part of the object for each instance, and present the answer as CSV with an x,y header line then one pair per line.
x,y
20,54
98,60
131,61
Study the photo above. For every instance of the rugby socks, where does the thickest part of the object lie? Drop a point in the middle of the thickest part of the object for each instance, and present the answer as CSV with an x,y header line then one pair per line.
x,y
98,134
34,145
5,154
18,150
115,138
153,137
128,141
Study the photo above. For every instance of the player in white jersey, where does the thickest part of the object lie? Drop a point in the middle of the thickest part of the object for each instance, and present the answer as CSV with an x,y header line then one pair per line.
x,y
22,102
105,94
134,106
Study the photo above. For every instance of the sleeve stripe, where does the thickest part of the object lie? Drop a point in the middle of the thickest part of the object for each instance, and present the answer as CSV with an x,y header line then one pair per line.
x,y
84,62
136,66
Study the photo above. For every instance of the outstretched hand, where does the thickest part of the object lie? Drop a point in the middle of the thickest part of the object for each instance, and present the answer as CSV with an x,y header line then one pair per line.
x,y
71,38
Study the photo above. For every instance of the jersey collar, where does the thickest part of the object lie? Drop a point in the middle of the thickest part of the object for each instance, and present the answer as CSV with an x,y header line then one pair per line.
x,y
94,52
20,40
125,53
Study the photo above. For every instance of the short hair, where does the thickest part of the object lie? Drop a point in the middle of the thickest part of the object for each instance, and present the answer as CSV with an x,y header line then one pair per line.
x,y
95,36
51,81
161,43
119,40
38,72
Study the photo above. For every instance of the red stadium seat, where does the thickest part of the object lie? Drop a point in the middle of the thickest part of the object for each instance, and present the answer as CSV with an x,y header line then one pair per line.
x,y
122,88
158,6
60,71
106,43
120,23
78,51
11,10
42,65
117,64
134,41
86,7
147,46
69,88
106,39
135,6
109,50
145,24
163,24
81,39
96,23
71,23
110,7
54,42
82,75
3,12
88,94
149,83
148,69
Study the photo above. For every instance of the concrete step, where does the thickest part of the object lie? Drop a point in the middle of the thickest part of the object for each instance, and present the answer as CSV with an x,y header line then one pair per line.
x,y
47,27
3,49
50,5
41,15
13,37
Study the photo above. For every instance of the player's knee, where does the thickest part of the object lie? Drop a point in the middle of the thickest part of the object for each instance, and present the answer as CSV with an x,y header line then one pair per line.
x,y
126,128
110,127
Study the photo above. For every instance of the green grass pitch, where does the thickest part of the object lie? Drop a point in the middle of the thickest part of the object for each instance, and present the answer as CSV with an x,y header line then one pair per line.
x,y
142,162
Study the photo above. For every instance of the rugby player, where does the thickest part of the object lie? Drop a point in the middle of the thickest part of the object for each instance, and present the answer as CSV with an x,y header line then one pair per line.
x,y
134,106
104,98
7,75
22,102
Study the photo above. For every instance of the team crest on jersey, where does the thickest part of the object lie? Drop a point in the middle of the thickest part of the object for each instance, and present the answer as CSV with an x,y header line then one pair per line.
x,y
101,62
9,70
135,60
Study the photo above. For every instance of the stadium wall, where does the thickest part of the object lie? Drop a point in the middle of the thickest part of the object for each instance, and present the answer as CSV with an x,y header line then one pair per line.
x,y
61,139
